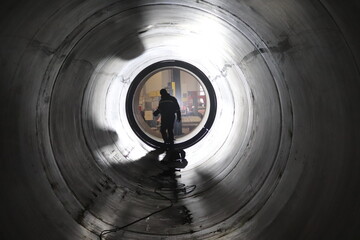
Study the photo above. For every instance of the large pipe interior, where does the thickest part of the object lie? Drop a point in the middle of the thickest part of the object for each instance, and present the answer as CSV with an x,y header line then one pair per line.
x,y
281,160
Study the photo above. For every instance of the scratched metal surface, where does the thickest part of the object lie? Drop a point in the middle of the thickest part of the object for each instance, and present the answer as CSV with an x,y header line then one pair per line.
x,y
280,161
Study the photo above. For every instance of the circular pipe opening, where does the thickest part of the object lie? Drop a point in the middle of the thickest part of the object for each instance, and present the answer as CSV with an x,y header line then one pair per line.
x,y
197,115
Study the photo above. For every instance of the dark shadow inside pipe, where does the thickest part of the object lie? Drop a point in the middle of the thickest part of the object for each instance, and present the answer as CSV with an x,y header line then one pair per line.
x,y
51,179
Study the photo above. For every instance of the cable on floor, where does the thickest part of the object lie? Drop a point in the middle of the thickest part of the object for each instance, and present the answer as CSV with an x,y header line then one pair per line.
x,y
104,232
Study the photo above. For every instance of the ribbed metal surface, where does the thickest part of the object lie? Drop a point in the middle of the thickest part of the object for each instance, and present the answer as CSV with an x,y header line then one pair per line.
x,y
279,162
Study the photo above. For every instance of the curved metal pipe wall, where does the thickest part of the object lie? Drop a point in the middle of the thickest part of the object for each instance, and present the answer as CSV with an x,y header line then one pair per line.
x,y
280,162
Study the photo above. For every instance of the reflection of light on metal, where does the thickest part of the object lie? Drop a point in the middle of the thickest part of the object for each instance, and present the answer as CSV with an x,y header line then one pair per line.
x,y
219,154
184,40
201,38
161,156
267,157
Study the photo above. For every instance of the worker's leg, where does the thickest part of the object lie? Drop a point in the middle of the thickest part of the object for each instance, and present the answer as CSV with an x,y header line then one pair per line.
x,y
170,130
166,129
170,135
163,131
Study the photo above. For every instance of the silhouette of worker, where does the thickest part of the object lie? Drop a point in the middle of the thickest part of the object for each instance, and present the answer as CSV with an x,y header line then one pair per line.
x,y
168,108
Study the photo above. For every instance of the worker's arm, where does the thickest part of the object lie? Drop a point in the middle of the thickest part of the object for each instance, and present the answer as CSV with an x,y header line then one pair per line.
x,y
155,113
178,112
178,115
